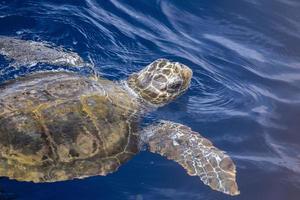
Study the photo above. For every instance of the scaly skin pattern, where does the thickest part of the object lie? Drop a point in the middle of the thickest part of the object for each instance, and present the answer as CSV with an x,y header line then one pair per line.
x,y
161,81
58,125
193,152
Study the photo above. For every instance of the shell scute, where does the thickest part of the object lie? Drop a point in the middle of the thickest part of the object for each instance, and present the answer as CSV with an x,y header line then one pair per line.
x,y
64,126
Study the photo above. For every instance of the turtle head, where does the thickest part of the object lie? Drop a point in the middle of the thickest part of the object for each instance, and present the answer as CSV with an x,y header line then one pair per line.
x,y
161,81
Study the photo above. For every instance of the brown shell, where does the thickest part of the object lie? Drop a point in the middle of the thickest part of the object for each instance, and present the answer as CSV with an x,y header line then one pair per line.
x,y
59,125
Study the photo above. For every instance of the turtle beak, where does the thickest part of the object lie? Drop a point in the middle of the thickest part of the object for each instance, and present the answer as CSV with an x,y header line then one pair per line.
x,y
187,74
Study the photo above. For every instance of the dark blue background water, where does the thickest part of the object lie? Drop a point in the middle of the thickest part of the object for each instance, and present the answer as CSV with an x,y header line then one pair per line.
x,y
245,94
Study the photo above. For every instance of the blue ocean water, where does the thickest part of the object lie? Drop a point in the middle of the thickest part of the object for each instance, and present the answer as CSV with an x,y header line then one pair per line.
x,y
245,93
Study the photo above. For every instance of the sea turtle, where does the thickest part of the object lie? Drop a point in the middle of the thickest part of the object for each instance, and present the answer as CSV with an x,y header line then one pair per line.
x,y
60,125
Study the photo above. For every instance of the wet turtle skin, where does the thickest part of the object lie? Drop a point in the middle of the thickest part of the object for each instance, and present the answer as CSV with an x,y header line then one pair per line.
x,y
57,126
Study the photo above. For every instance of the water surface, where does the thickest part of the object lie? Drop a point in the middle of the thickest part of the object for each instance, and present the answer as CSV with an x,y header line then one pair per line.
x,y
245,93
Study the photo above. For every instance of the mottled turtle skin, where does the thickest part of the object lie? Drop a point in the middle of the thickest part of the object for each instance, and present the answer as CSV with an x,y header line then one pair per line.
x,y
59,125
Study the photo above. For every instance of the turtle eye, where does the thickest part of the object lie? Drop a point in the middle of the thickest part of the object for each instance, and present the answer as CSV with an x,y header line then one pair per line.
x,y
175,85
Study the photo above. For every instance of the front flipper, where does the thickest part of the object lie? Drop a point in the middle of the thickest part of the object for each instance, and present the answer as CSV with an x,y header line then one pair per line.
x,y
195,153
30,53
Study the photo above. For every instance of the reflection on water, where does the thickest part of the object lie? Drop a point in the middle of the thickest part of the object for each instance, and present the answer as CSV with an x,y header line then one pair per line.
x,y
238,48
245,93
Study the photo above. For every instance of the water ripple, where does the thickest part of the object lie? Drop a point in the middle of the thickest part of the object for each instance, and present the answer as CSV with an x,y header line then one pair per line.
x,y
245,58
